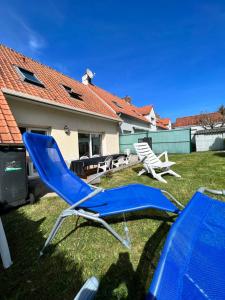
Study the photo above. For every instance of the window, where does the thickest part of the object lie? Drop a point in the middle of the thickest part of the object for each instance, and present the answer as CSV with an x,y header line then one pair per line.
x,y
30,166
30,77
89,144
117,104
72,93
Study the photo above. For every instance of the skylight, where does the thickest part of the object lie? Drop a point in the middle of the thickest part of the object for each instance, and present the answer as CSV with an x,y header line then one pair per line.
x,y
72,93
30,77
117,104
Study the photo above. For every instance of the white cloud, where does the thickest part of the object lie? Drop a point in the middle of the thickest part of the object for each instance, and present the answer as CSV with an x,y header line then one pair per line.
x,y
34,40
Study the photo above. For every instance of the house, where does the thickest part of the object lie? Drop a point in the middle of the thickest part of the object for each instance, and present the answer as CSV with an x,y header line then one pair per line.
x,y
39,99
134,119
199,122
163,124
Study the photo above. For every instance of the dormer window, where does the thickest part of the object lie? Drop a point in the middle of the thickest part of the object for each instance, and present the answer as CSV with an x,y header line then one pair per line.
x,y
117,104
29,77
72,93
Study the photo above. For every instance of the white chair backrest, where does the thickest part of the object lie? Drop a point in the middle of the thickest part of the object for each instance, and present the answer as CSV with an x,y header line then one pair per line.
x,y
95,155
144,150
84,157
108,160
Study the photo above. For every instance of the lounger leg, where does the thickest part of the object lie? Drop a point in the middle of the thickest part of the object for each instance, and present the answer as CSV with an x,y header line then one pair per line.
x,y
52,234
114,233
171,172
107,226
141,172
159,178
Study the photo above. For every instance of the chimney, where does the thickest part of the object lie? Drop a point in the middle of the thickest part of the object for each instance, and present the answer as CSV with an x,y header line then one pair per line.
x,y
87,77
127,99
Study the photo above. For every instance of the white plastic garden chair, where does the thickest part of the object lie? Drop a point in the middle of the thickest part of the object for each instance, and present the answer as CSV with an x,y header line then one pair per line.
x,y
105,165
120,161
152,162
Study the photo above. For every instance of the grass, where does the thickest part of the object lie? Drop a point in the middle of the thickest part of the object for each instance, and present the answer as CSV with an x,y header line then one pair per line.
x,y
78,253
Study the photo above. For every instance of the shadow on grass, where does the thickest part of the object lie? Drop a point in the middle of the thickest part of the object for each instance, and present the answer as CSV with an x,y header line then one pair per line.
x,y
122,272
30,277
220,154
150,214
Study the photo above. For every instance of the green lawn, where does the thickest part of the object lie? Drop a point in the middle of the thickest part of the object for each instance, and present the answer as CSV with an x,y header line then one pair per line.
x,y
78,253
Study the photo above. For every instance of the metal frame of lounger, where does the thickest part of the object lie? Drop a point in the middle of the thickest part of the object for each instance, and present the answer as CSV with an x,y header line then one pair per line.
x,y
72,211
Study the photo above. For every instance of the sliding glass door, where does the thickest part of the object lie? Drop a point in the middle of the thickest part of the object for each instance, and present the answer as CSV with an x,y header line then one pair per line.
x,y
90,144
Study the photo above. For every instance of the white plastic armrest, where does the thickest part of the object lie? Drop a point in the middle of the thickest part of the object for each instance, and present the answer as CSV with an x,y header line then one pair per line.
x,y
165,154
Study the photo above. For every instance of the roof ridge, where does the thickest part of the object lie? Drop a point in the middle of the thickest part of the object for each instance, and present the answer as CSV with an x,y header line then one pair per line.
x,y
197,115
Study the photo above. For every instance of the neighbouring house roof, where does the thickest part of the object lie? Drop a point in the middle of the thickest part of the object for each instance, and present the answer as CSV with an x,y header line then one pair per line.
x,y
53,91
145,110
163,123
119,105
195,120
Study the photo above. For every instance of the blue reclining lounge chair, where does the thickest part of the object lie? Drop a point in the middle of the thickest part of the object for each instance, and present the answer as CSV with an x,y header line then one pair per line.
x,y
85,200
192,264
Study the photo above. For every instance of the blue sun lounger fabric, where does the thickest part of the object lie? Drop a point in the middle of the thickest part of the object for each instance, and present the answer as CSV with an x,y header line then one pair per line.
x,y
53,171
192,264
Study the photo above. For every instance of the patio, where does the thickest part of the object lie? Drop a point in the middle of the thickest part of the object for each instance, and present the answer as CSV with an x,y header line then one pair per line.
x,y
90,250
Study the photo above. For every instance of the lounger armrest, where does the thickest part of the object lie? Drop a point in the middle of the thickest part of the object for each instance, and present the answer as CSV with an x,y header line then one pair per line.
x,y
215,192
164,154
173,198
95,177
92,194
101,163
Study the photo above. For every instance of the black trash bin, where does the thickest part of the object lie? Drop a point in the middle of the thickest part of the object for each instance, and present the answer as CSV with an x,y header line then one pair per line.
x,y
13,176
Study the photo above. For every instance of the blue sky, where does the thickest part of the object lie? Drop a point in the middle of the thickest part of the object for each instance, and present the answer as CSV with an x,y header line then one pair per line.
x,y
167,53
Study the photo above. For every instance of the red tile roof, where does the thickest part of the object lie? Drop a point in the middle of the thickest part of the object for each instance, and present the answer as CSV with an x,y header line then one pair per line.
x,y
145,110
195,120
53,90
9,131
118,105
161,123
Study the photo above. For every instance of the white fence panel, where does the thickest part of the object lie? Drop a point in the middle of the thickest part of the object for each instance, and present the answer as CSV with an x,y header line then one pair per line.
x,y
207,142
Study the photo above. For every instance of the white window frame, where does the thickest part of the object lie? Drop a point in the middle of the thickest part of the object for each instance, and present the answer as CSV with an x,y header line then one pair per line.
x,y
90,141
31,170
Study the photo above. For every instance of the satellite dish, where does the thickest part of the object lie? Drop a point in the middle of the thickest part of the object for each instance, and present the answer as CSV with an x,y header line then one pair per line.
x,y
90,73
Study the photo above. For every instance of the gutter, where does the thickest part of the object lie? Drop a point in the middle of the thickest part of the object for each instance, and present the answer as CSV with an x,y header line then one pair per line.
x,y
47,102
